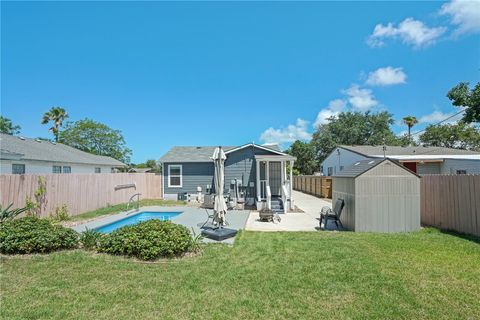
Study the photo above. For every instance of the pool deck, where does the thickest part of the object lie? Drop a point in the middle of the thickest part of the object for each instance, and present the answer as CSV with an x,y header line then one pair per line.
x,y
191,217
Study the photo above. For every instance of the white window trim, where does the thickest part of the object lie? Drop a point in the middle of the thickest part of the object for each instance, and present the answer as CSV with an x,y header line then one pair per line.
x,y
181,175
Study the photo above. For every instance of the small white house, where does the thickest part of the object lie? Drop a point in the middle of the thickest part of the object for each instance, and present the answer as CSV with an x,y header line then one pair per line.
x,y
19,155
421,160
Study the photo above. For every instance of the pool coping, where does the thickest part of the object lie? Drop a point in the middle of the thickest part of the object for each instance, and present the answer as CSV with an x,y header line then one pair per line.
x,y
103,221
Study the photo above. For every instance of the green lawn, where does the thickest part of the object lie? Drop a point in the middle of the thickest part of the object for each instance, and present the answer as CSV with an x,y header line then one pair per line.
x,y
121,207
424,275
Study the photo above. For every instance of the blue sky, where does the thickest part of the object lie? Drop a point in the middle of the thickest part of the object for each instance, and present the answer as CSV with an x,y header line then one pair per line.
x,y
227,73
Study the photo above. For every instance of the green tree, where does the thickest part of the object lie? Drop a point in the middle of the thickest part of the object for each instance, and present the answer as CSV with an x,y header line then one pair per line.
x,y
96,138
354,128
462,96
410,121
56,115
459,135
305,154
151,163
6,126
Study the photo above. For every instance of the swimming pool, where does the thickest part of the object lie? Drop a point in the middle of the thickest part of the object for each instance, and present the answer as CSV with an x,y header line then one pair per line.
x,y
137,218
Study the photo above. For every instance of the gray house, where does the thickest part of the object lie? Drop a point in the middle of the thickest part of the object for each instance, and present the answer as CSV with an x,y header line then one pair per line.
x,y
259,171
381,195
421,160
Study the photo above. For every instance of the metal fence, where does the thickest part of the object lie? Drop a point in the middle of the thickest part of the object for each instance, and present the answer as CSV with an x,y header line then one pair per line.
x,y
314,185
79,192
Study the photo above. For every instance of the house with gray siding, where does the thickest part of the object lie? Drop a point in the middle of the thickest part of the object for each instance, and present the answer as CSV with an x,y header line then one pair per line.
x,y
421,160
260,171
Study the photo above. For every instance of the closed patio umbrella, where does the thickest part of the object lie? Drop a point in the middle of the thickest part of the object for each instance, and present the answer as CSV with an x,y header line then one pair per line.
x,y
219,206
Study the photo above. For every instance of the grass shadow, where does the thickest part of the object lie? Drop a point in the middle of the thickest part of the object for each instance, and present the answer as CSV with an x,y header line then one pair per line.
x,y
464,236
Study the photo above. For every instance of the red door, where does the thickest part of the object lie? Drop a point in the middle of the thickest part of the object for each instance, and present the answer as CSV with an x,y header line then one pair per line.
x,y
411,165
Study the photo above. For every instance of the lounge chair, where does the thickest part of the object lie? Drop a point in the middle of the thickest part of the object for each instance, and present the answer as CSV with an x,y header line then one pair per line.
x,y
332,214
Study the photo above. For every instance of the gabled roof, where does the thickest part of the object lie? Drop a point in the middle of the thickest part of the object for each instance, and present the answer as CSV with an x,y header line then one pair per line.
x,y
204,153
19,148
360,167
377,151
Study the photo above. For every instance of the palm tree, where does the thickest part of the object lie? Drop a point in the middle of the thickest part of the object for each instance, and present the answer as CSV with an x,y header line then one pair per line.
x,y
410,121
56,115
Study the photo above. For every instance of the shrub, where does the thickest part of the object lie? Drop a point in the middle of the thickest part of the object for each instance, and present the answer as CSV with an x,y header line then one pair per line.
x,y
148,240
90,239
60,214
34,235
8,214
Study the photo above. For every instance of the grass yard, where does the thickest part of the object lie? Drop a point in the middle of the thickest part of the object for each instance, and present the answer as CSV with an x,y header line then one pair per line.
x,y
331,275
121,207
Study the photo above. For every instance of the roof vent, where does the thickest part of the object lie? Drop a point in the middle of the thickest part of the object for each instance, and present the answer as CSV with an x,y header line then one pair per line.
x,y
21,138
199,147
38,140
356,164
371,162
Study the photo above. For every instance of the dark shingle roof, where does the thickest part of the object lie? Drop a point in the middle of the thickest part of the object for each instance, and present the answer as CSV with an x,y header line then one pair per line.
x,y
407,151
358,168
34,149
200,153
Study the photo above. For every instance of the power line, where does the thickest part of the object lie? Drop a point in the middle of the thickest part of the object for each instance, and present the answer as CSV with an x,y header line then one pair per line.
x,y
436,124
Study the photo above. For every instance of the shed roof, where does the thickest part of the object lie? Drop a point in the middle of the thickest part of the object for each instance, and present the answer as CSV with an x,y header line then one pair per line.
x,y
204,153
20,148
360,167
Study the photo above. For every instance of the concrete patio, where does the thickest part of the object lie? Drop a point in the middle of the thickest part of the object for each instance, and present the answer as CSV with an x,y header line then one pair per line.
x,y
297,221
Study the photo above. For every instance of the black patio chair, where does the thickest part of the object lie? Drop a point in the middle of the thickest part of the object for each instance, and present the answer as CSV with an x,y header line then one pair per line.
x,y
332,214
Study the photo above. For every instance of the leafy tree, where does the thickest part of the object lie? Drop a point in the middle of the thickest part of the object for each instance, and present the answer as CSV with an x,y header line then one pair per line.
x,y
56,115
96,138
6,126
410,121
460,136
305,154
354,128
462,96
153,164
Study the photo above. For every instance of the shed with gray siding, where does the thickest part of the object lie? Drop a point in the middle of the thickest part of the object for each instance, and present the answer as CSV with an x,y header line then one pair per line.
x,y
380,195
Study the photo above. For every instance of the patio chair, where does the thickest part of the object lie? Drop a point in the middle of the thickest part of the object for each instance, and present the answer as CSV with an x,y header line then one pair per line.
x,y
332,214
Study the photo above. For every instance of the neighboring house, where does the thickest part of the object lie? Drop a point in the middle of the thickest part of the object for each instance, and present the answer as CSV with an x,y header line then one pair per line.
x,y
421,160
21,155
260,171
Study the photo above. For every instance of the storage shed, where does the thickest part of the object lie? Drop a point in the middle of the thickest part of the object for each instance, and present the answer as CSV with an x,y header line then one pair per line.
x,y
380,195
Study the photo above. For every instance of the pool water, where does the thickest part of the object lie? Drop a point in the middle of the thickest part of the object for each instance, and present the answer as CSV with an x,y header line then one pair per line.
x,y
137,218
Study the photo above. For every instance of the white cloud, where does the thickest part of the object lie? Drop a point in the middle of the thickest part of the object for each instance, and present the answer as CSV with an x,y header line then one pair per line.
x,y
437,116
464,14
410,31
334,108
361,99
386,76
293,132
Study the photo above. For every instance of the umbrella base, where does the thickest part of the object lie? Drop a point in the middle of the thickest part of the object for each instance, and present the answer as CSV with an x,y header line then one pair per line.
x,y
219,234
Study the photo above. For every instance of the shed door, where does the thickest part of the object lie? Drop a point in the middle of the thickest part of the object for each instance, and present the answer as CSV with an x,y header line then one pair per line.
x,y
275,177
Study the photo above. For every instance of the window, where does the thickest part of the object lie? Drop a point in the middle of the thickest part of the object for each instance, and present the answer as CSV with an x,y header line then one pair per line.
x,y
18,168
57,169
98,170
341,168
329,171
67,169
461,171
175,176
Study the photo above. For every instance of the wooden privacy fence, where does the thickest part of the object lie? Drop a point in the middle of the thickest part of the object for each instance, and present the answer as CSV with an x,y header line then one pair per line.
x,y
451,202
80,192
315,185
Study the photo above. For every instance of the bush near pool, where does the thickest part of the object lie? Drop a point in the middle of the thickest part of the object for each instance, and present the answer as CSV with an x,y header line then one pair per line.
x,y
34,235
148,240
